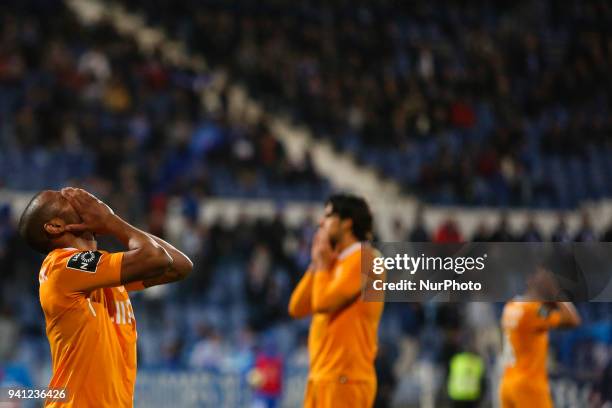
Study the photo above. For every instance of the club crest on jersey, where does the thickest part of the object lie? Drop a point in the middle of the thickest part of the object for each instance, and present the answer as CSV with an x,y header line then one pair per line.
x,y
85,261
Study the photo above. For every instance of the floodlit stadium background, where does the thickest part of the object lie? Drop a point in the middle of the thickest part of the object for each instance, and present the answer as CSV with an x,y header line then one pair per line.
x,y
222,126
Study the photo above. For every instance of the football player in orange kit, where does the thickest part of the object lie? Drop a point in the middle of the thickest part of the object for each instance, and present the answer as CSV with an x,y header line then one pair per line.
x,y
526,322
342,342
84,293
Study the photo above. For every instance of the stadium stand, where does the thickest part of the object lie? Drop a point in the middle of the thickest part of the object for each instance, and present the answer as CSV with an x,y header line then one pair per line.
x,y
82,103
452,99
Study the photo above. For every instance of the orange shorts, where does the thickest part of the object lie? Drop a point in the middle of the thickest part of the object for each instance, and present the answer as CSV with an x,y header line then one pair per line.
x,y
336,394
515,393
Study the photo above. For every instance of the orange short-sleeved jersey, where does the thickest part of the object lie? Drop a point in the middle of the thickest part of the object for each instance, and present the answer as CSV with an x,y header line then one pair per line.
x,y
343,345
91,328
525,326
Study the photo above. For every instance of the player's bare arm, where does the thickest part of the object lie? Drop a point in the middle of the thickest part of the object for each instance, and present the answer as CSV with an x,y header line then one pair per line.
x,y
548,287
569,315
180,269
145,258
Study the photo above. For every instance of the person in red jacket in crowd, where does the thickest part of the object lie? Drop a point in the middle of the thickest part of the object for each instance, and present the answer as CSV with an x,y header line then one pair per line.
x,y
448,232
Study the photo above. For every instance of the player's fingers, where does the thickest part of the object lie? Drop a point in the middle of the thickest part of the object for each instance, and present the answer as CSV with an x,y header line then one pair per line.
x,y
86,195
82,195
89,199
75,227
320,240
83,198
69,194
325,242
69,191
77,201
324,236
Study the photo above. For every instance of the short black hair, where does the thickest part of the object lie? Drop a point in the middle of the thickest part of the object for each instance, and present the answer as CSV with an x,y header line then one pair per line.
x,y
355,208
32,222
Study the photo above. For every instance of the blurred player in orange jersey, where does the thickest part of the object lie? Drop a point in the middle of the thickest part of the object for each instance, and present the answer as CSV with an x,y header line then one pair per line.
x,y
84,293
342,342
526,322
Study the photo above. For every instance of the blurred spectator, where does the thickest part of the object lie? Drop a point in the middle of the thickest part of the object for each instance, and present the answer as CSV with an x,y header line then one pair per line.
x,y
385,376
466,378
532,232
209,350
480,318
170,358
8,242
418,232
266,377
502,233
482,233
448,232
300,356
9,332
408,369
605,385
243,355
397,231
449,318
262,289
561,233
585,232
192,236
412,318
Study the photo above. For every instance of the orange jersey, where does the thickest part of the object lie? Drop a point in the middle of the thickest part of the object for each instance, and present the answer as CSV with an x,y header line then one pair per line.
x,y
525,326
343,343
91,328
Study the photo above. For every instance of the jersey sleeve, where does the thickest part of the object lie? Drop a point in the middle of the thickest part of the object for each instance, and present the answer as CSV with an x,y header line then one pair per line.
x,y
333,291
300,303
88,270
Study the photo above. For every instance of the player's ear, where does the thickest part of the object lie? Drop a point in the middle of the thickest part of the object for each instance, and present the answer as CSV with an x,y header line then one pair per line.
x,y
55,226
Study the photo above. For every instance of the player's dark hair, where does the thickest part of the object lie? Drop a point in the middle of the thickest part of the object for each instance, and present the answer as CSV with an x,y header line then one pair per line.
x,y
32,222
355,208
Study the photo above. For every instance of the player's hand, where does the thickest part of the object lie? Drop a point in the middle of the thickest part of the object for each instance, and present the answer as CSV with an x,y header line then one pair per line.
x,y
322,253
95,215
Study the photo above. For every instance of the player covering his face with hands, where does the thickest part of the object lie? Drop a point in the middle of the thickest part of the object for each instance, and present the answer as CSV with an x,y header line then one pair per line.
x,y
90,322
342,341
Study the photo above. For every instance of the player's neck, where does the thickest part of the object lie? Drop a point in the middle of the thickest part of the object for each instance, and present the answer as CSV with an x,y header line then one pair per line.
x,y
345,242
76,243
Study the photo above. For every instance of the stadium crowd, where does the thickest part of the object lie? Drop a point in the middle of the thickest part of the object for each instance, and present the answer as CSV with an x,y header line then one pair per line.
x,y
81,102
453,99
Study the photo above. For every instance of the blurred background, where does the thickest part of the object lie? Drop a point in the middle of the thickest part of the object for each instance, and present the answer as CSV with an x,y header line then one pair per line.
x,y
222,126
